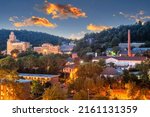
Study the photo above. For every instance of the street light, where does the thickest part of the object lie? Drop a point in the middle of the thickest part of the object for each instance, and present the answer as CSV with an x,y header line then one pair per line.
x,y
88,94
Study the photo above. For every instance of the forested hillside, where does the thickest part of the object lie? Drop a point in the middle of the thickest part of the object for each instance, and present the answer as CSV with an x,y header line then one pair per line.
x,y
35,38
111,38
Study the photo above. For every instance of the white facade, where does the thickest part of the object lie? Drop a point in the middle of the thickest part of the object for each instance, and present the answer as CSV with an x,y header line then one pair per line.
x,y
130,63
13,44
47,48
122,61
125,45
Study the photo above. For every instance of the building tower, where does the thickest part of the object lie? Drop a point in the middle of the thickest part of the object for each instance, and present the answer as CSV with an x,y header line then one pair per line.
x,y
14,44
129,44
12,38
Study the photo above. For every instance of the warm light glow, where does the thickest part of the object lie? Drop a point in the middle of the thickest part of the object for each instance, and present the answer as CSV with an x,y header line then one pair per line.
x,y
37,21
93,27
63,11
14,55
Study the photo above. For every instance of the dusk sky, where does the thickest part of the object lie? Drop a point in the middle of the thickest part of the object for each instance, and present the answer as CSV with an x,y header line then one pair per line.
x,y
71,18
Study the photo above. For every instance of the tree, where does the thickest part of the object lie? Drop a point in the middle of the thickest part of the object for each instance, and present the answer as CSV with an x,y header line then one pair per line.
x,y
17,90
132,90
81,95
144,68
100,97
142,95
10,75
8,63
52,63
102,62
89,84
116,49
89,70
115,41
99,84
54,93
21,90
37,89
147,53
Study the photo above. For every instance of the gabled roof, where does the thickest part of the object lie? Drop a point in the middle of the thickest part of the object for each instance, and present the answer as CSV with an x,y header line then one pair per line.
x,y
110,71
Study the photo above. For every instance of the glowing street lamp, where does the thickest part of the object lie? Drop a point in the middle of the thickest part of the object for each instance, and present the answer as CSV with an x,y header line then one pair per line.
x,y
88,94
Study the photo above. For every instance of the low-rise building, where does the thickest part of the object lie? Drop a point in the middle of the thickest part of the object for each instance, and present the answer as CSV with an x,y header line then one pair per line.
x,y
43,78
47,48
128,62
125,45
140,50
110,72
74,55
68,68
67,49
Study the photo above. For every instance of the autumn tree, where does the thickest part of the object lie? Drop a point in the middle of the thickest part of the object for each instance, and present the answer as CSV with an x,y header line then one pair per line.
x,y
8,63
89,84
37,89
54,93
8,74
89,70
81,95
132,90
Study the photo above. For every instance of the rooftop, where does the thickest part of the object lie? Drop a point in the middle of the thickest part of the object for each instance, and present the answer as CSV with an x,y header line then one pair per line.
x,y
23,81
37,75
110,71
135,58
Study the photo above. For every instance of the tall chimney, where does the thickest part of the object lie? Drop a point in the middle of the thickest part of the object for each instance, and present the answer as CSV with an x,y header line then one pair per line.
x,y
129,44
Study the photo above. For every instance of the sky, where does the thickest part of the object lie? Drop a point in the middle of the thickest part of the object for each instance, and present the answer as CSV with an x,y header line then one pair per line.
x,y
71,18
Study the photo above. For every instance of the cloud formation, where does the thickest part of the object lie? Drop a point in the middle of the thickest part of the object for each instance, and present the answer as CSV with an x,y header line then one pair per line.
x,y
140,16
33,21
62,11
77,35
93,27
13,18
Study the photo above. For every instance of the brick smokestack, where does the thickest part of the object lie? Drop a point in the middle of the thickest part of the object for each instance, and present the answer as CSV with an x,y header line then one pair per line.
x,y
129,44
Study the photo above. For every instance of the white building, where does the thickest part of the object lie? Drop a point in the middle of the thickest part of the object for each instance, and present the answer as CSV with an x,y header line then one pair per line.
x,y
48,48
14,44
121,61
125,45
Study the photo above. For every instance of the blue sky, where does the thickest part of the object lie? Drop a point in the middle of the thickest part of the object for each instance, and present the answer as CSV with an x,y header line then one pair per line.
x,y
109,13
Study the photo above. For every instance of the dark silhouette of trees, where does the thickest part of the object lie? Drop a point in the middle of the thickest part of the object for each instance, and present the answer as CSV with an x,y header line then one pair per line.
x,y
112,37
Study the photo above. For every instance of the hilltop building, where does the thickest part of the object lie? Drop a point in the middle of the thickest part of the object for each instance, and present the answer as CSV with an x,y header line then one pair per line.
x,y
14,44
47,48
